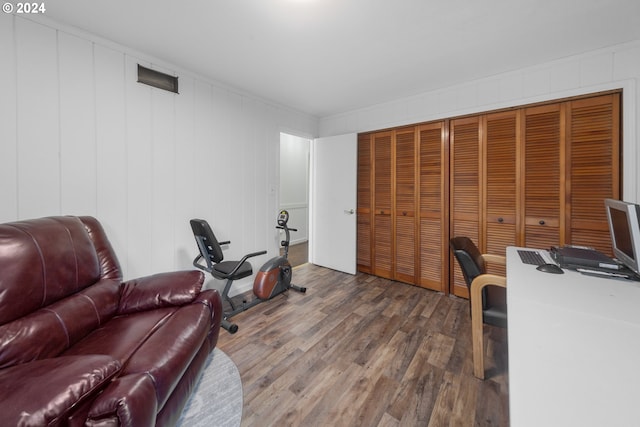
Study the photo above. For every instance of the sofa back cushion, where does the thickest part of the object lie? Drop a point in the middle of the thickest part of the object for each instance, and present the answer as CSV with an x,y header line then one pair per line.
x,y
59,280
51,330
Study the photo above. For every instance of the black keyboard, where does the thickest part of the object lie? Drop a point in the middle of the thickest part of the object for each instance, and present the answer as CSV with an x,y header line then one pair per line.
x,y
531,257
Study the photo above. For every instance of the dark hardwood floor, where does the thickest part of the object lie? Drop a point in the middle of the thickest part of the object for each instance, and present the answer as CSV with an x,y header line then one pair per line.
x,y
298,253
365,351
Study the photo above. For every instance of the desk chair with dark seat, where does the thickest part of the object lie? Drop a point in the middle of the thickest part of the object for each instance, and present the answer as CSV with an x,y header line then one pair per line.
x,y
211,252
483,301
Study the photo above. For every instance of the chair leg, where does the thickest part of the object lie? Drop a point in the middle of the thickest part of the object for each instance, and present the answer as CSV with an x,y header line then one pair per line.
x,y
477,336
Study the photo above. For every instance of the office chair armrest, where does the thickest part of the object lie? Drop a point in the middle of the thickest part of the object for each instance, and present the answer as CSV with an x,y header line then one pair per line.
x,y
496,259
487,279
479,283
475,292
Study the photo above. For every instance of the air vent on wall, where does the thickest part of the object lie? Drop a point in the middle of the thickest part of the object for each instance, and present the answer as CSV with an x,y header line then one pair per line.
x,y
157,79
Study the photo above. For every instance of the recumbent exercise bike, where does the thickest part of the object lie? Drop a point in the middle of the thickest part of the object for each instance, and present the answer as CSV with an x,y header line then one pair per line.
x,y
273,278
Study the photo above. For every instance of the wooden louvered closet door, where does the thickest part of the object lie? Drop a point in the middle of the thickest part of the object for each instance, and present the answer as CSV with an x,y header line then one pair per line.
x,y
465,193
532,176
382,200
501,150
364,195
543,176
501,183
433,209
405,205
592,168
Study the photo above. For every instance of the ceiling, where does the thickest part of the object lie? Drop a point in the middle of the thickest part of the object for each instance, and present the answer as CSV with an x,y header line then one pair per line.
x,y
325,57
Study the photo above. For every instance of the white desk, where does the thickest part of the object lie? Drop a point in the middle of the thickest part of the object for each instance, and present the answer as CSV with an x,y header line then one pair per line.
x,y
574,348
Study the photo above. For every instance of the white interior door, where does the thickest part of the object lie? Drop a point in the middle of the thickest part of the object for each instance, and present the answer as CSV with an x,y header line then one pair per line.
x,y
333,202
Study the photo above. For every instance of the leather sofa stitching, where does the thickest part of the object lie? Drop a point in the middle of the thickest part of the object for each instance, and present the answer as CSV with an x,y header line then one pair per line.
x,y
44,266
62,324
93,304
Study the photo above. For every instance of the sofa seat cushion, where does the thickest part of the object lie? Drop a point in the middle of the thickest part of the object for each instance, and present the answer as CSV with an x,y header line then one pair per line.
x,y
122,335
62,384
161,343
167,354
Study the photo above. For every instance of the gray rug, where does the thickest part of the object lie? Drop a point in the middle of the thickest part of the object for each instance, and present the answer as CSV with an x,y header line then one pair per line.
x,y
217,398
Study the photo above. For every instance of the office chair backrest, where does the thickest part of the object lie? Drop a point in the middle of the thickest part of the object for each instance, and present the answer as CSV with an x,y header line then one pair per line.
x,y
469,257
207,242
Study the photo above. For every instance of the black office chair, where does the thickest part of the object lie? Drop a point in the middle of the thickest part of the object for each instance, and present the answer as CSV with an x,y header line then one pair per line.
x,y
211,252
486,303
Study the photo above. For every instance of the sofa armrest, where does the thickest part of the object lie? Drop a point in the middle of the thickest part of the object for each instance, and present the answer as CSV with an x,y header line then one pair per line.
x,y
160,290
45,392
212,299
129,401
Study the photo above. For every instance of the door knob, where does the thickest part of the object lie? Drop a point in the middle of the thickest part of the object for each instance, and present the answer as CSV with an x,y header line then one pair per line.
x,y
349,211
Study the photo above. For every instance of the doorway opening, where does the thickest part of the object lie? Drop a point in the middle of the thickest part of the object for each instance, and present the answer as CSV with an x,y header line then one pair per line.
x,y
294,192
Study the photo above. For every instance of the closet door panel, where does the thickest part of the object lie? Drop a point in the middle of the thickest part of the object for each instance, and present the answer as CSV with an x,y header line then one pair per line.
x,y
433,182
501,182
364,204
383,238
542,176
594,156
465,188
405,205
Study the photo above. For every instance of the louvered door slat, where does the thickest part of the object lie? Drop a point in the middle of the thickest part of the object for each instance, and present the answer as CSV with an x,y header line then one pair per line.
x,y
364,171
405,194
433,245
382,166
594,147
382,245
465,188
542,145
501,140
364,204
364,243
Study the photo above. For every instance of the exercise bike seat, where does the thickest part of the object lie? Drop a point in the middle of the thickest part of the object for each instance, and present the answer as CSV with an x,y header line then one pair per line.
x,y
230,270
211,252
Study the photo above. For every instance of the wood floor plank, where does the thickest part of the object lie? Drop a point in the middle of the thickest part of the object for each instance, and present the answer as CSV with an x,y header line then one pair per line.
x,y
358,350
332,403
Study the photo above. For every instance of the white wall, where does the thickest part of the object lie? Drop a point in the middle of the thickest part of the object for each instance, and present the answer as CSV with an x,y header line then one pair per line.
x,y
612,68
79,136
294,184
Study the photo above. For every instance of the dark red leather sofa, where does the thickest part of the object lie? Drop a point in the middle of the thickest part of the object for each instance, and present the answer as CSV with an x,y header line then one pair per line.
x,y
80,347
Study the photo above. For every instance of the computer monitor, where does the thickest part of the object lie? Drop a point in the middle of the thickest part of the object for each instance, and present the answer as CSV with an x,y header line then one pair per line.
x,y
624,226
